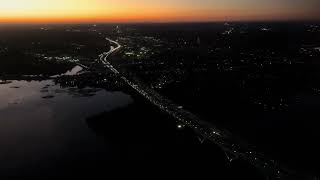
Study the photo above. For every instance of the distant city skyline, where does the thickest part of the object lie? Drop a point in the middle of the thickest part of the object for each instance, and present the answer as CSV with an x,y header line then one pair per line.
x,y
33,11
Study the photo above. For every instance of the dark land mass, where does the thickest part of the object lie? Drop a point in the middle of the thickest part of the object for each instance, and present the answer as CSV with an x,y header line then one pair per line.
x,y
260,81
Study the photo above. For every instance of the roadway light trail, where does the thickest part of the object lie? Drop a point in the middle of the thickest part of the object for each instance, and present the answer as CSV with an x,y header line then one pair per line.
x,y
222,138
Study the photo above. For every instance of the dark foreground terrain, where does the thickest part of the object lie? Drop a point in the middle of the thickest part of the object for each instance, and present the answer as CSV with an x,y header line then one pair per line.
x,y
63,114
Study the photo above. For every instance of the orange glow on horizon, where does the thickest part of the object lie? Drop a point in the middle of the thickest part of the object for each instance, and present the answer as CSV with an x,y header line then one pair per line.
x,y
64,11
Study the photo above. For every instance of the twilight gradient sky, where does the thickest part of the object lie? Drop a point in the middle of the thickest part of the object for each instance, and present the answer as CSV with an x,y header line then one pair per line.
x,y
156,10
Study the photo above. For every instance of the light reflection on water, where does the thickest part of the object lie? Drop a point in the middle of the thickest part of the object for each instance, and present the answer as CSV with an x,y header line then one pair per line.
x,y
40,121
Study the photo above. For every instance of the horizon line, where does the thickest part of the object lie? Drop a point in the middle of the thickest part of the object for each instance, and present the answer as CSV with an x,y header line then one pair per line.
x,y
162,22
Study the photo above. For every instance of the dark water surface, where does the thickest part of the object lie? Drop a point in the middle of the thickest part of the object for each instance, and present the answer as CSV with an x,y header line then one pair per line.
x,y
43,124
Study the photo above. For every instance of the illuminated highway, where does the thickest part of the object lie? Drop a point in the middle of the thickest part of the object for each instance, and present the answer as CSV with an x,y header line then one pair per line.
x,y
220,137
